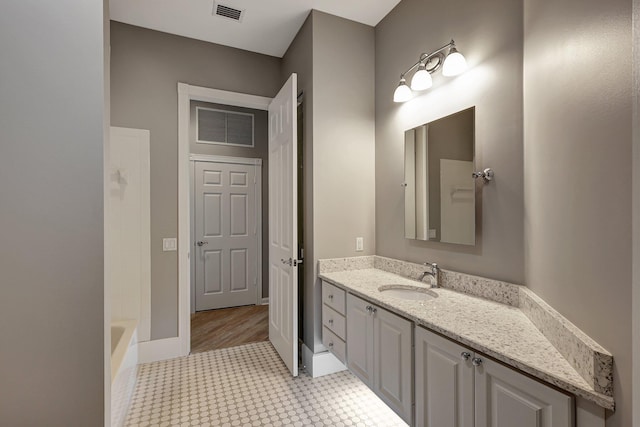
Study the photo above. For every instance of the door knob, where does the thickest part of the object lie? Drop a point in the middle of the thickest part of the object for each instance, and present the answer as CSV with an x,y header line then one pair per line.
x,y
291,262
200,243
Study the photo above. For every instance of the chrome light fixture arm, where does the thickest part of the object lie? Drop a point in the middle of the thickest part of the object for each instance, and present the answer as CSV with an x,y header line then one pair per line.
x,y
426,57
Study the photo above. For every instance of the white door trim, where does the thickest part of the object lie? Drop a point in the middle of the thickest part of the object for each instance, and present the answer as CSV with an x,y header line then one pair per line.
x,y
258,184
186,94
224,159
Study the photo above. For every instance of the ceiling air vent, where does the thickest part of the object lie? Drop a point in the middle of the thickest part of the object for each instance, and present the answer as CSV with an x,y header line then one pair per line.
x,y
227,12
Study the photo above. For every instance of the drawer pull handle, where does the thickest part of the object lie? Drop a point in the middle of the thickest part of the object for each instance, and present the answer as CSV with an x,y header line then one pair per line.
x,y
331,344
331,321
465,355
330,297
476,361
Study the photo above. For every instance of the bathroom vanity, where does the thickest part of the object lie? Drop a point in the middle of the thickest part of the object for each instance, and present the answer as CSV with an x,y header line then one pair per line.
x,y
465,357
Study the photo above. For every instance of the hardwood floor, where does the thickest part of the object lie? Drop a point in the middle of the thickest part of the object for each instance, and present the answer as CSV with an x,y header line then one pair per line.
x,y
229,327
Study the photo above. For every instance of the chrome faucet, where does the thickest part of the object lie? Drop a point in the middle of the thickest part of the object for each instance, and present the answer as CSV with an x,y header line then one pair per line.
x,y
435,273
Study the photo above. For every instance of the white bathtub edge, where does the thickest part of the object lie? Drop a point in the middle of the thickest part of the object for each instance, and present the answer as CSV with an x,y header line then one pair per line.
x,y
124,369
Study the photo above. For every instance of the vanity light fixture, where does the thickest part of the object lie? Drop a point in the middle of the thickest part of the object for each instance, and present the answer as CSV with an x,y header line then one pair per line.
x,y
452,64
403,92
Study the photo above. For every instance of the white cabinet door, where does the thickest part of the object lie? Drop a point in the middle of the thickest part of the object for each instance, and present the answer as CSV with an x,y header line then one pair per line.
x,y
444,381
506,398
392,361
360,339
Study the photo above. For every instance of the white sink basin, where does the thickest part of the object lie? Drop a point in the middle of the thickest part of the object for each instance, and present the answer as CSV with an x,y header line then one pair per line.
x,y
408,292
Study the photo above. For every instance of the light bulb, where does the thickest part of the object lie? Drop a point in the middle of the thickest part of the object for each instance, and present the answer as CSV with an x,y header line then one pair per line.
x,y
454,64
403,92
421,79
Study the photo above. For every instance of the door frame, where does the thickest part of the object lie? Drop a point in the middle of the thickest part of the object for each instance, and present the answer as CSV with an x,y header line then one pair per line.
x,y
249,161
186,94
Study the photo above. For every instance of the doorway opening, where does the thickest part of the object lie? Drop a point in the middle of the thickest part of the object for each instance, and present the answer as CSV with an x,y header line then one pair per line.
x,y
228,148
283,248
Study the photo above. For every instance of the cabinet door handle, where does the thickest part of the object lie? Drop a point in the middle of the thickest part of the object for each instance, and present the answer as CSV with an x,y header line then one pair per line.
x,y
465,355
476,361
330,296
374,310
368,308
330,321
331,344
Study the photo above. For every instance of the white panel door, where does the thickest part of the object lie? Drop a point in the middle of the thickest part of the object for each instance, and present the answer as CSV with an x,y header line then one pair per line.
x,y
506,398
444,382
283,225
226,246
457,202
129,227
393,337
360,339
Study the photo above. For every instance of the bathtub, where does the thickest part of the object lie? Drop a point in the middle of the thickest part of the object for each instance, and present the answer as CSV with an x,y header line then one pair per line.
x,y
124,362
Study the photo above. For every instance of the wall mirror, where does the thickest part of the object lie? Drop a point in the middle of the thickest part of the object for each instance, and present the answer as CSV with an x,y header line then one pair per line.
x,y
439,201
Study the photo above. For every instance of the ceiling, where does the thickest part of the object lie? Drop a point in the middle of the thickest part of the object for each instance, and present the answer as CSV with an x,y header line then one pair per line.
x,y
266,26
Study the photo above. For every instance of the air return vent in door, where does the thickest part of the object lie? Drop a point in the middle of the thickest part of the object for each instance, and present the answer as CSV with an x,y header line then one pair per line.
x,y
227,12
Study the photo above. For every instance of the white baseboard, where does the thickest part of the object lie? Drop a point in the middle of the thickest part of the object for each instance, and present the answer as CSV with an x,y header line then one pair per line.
x,y
319,364
153,351
265,301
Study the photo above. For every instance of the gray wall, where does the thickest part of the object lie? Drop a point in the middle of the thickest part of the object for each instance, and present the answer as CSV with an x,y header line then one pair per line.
x,y
299,59
343,145
52,122
489,34
339,155
146,66
260,150
577,145
635,321
450,138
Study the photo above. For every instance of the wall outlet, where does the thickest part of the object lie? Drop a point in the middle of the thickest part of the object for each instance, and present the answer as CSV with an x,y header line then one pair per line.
x,y
359,244
169,244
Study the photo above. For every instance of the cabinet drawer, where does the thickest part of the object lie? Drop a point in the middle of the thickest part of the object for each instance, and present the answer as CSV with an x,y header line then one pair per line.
x,y
334,297
334,344
334,321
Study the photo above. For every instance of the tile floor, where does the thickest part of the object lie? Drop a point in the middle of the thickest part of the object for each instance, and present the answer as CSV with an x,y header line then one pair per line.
x,y
250,386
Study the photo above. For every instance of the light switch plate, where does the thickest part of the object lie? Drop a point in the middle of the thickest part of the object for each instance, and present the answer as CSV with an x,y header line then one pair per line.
x,y
359,244
169,244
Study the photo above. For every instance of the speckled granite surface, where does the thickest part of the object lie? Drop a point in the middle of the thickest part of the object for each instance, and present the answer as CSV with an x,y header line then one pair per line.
x,y
341,264
586,356
493,325
503,292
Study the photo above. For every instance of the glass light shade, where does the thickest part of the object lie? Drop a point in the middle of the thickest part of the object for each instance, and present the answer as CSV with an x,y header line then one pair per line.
x,y
421,79
454,64
403,92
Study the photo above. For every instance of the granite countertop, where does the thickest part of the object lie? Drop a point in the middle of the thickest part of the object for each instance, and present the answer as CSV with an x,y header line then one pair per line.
x,y
500,331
